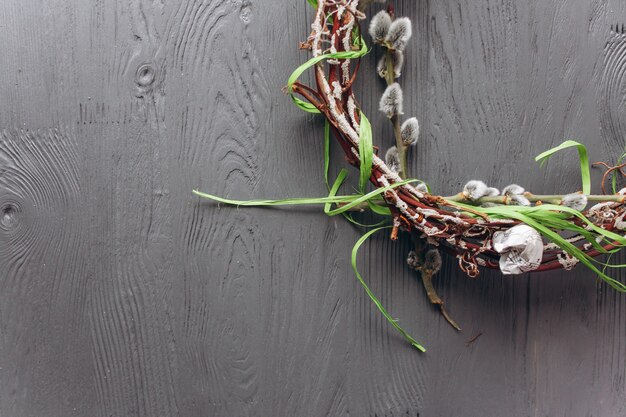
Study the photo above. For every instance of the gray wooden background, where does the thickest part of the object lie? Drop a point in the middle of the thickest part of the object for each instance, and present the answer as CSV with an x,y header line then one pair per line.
x,y
123,295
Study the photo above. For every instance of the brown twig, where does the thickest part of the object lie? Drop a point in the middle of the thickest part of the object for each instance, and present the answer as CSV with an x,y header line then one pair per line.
x,y
609,169
473,339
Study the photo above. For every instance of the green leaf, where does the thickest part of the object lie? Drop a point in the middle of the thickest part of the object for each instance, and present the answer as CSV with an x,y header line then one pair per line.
x,y
366,152
370,294
312,3
582,155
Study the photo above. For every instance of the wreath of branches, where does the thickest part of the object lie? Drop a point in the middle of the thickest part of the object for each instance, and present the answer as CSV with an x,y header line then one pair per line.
x,y
512,230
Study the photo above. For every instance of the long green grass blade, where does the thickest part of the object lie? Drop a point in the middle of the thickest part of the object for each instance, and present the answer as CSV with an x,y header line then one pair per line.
x,y
367,197
614,174
366,152
348,201
378,209
582,155
326,150
381,210
370,294
281,202
333,190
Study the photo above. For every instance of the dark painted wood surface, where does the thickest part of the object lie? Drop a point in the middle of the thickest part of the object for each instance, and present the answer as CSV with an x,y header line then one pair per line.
x,y
122,295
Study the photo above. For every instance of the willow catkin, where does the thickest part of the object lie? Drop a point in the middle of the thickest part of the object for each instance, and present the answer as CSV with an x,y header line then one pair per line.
x,y
575,200
391,101
379,26
410,131
399,33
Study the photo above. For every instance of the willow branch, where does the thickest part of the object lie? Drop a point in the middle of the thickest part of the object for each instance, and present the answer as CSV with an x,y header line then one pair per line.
x,y
535,198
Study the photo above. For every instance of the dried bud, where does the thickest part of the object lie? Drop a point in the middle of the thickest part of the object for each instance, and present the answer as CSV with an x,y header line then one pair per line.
x,y
513,189
474,190
518,200
432,261
392,159
410,131
575,201
391,101
399,33
379,26
413,260
381,67
398,63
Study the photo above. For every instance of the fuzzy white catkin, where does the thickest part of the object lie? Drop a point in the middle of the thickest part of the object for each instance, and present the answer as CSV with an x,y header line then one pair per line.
x,y
474,190
391,101
392,159
513,189
379,26
518,200
381,67
432,261
398,63
399,33
422,187
410,131
575,201
492,192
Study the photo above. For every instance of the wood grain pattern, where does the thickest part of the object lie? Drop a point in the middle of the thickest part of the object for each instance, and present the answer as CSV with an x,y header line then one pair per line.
x,y
122,295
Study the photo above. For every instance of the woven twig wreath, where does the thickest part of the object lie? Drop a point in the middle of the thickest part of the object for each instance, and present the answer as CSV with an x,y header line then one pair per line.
x,y
511,230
